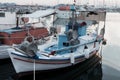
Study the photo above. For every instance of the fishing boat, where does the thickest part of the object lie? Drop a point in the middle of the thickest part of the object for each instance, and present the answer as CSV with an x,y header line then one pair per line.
x,y
16,35
76,44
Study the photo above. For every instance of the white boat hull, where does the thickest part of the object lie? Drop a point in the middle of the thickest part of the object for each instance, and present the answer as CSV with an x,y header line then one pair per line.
x,y
3,51
26,64
23,64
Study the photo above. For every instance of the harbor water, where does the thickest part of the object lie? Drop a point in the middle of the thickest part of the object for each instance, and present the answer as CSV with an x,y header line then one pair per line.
x,y
111,52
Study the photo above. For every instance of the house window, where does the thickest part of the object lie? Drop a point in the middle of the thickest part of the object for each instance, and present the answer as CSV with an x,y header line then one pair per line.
x,y
2,14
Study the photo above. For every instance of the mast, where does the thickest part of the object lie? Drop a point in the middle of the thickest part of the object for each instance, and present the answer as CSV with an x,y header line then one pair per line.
x,y
73,14
102,32
104,24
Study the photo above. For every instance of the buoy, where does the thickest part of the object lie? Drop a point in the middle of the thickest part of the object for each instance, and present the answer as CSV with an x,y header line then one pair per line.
x,y
87,53
72,59
104,42
94,45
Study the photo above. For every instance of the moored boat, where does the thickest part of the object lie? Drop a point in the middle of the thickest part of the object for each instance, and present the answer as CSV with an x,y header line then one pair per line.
x,y
75,45
16,36
36,27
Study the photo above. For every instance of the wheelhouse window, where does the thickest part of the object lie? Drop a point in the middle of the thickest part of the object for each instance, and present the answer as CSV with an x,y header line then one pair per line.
x,y
2,14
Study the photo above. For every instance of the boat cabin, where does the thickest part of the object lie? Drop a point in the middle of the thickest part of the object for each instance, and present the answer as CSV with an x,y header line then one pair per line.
x,y
16,36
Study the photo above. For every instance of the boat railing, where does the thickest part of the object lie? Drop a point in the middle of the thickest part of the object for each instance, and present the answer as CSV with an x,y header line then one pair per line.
x,y
74,47
19,50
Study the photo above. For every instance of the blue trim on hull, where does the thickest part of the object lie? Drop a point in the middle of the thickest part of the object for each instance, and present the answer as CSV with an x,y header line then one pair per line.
x,y
82,56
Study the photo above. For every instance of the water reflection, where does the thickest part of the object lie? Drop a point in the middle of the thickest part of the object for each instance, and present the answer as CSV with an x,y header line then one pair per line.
x,y
91,74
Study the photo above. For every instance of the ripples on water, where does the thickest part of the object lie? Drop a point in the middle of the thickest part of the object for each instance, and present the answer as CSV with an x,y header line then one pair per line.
x,y
111,52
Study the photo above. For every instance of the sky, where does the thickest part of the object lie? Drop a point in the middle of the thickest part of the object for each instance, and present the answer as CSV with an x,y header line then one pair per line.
x,y
53,2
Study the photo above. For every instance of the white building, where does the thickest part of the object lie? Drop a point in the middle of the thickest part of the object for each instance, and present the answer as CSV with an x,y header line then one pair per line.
x,y
7,19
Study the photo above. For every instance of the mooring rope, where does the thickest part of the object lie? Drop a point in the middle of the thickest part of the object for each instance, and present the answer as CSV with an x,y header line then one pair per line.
x,y
34,70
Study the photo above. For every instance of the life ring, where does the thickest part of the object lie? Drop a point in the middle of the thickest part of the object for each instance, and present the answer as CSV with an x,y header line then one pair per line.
x,y
72,58
87,51
104,42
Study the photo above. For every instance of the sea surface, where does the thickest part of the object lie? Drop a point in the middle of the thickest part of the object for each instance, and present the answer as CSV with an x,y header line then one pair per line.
x,y
111,52
110,59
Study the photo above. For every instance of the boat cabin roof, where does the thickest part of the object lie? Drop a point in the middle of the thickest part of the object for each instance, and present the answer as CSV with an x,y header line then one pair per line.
x,y
11,30
40,13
